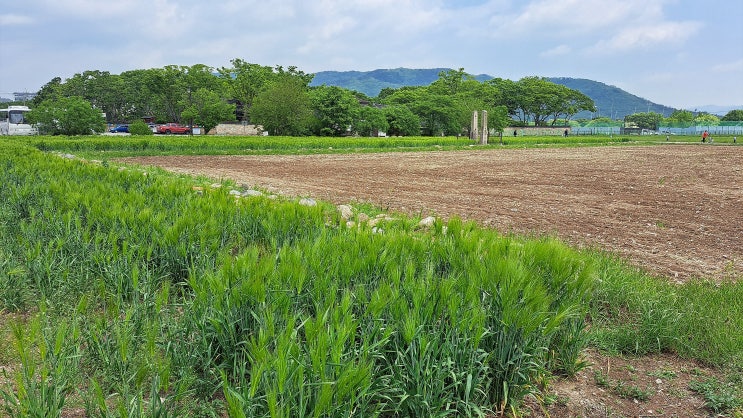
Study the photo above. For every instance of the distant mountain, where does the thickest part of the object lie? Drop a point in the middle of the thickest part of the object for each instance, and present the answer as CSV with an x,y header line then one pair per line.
x,y
610,101
372,82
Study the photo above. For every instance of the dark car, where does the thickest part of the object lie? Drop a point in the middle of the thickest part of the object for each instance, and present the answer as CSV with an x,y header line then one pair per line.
x,y
120,128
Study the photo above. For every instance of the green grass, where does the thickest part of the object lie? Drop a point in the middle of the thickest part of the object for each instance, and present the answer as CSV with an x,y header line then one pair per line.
x,y
623,389
720,396
634,313
103,147
178,303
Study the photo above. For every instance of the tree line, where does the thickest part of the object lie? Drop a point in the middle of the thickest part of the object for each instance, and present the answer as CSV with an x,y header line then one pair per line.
x,y
681,118
282,101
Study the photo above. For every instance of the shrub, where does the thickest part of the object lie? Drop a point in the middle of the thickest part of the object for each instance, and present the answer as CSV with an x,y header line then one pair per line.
x,y
68,116
139,128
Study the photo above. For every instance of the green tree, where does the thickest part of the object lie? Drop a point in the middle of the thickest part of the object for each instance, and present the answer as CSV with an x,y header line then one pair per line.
x,y
401,121
67,116
469,95
733,116
571,102
645,120
50,91
537,99
283,108
167,87
498,118
334,109
707,119
207,109
506,93
243,82
601,121
102,89
451,82
370,120
680,117
438,113
141,92
385,92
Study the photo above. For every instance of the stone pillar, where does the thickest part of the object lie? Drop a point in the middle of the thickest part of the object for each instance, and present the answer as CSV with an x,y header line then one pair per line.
x,y
484,131
473,130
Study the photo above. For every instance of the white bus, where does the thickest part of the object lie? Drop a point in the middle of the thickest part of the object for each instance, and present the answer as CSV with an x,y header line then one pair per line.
x,y
13,121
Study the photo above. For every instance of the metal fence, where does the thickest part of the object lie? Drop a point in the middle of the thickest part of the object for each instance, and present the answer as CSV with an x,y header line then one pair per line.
x,y
724,128
595,130
721,129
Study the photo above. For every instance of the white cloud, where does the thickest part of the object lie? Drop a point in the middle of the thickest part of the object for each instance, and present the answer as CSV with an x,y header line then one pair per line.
x,y
647,36
575,17
602,40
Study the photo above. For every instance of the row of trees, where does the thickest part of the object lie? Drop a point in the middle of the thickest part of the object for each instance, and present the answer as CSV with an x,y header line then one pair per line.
x,y
682,118
284,103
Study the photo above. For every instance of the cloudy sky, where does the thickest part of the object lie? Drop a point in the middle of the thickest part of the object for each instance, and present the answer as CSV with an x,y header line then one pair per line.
x,y
680,53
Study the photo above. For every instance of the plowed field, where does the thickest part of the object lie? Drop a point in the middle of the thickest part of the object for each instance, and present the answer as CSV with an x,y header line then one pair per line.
x,y
675,210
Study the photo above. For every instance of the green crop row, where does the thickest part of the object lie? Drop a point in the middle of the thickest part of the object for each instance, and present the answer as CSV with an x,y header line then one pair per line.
x,y
116,146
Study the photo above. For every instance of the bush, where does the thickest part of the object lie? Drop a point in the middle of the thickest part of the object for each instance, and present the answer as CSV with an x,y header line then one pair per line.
x,y
140,128
67,116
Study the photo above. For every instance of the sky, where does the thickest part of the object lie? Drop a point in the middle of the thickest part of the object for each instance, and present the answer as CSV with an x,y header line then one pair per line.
x,y
678,53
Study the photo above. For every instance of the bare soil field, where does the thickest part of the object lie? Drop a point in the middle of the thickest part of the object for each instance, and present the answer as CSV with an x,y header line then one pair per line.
x,y
673,210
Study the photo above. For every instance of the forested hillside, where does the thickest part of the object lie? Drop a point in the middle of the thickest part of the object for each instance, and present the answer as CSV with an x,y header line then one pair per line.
x,y
372,82
610,101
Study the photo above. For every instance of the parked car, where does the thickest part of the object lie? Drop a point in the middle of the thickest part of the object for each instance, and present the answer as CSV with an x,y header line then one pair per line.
x,y
119,128
173,128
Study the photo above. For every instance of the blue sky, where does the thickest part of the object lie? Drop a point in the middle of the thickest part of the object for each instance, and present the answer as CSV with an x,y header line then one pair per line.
x,y
679,53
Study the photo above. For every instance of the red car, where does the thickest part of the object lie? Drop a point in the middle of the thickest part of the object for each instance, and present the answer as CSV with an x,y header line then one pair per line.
x,y
173,128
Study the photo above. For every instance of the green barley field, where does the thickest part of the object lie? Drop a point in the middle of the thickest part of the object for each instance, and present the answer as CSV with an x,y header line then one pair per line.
x,y
131,293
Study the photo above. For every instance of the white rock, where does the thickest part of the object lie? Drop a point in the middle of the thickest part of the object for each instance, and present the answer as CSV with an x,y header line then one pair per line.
x,y
306,201
346,211
251,192
427,222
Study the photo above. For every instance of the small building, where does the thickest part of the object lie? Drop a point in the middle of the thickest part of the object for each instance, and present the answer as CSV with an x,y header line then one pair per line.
x,y
23,97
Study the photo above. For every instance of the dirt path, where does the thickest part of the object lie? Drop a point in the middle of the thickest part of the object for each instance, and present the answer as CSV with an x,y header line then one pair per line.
x,y
675,210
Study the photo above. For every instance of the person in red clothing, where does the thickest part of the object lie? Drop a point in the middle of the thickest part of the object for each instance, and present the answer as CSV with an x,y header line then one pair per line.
x,y
704,136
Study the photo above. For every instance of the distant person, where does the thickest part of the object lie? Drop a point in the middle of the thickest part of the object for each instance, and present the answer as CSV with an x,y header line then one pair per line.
x,y
705,134
515,133
565,134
